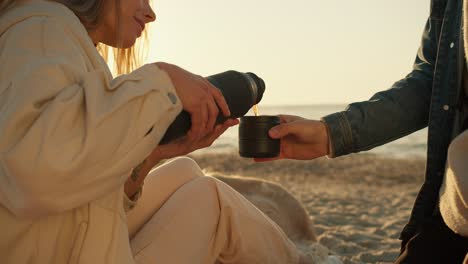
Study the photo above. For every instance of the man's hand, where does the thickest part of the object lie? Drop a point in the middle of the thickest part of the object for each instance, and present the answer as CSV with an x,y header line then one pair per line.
x,y
301,139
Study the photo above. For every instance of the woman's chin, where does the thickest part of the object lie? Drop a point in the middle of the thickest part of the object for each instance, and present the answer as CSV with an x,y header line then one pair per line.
x,y
127,43
123,44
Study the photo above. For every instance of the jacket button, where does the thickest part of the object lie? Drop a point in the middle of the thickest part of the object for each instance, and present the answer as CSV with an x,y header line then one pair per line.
x,y
172,97
446,107
452,45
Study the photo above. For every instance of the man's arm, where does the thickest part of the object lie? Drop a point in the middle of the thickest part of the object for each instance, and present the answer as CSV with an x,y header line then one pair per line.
x,y
390,114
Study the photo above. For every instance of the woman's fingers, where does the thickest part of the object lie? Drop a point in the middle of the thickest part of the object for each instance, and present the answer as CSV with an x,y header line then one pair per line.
x,y
231,122
216,103
212,115
217,132
190,143
220,101
199,97
206,116
199,119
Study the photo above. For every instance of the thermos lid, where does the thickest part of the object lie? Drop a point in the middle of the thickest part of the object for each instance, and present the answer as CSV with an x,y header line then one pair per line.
x,y
257,85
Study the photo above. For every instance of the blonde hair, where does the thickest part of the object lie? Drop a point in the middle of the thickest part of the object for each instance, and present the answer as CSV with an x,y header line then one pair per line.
x,y
5,4
120,60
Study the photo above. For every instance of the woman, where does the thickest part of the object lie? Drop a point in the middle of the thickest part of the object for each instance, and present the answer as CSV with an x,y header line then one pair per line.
x,y
70,135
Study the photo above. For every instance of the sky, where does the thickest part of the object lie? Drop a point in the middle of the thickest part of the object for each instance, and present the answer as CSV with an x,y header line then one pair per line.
x,y
307,51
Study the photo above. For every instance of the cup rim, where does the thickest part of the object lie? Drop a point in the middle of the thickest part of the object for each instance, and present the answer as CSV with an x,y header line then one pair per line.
x,y
261,118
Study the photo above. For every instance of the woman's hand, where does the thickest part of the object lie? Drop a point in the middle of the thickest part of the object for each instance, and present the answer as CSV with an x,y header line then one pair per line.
x,y
199,98
189,143
301,139
173,149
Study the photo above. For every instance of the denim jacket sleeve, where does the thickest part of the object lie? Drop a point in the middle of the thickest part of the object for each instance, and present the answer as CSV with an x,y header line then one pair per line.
x,y
390,114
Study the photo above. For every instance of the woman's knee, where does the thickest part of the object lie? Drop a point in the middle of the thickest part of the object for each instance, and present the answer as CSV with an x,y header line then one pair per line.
x,y
203,193
207,182
173,174
185,162
206,188
183,166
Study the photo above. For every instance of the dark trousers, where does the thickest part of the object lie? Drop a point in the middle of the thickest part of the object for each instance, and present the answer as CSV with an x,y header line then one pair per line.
x,y
434,243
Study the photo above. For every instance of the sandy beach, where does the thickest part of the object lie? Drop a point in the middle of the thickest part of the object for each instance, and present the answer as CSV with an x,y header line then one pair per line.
x,y
358,203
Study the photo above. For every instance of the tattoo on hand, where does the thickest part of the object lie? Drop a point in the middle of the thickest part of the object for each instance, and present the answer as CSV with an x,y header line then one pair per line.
x,y
136,171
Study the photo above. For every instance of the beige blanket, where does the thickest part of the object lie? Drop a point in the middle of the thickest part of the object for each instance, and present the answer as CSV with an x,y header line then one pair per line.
x,y
454,191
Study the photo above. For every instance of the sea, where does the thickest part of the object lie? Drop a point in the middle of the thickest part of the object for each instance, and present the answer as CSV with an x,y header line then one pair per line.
x,y
411,146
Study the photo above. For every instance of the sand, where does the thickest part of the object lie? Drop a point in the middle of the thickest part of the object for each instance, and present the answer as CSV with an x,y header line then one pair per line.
x,y
358,204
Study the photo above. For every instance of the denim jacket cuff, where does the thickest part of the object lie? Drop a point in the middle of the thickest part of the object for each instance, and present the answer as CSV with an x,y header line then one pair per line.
x,y
340,134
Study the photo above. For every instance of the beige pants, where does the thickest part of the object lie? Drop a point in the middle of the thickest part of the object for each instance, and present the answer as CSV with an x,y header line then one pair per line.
x,y
186,217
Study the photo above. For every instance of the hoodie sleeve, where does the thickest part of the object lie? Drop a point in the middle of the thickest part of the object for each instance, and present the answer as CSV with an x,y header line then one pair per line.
x,y
69,133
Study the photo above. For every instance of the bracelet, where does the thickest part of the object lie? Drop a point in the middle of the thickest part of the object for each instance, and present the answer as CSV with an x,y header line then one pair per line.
x,y
130,202
136,171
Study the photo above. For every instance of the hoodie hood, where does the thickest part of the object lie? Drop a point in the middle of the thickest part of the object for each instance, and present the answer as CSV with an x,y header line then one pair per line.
x,y
42,8
61,15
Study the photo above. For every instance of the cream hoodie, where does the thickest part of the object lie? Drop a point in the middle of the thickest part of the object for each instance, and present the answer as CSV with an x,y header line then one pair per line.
x,y
70,134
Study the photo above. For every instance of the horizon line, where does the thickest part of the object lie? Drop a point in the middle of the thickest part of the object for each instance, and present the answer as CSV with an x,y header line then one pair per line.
x,y
301,104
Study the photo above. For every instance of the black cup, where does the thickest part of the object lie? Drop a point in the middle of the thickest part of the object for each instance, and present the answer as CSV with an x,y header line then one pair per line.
x,y
254,141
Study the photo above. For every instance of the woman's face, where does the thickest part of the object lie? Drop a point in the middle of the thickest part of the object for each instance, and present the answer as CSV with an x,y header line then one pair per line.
x,y
133,16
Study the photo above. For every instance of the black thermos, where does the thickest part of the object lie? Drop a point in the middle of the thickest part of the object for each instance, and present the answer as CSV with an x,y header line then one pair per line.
x,y
241,91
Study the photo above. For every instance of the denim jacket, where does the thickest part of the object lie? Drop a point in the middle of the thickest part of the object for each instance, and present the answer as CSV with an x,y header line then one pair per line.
x,y
428,96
